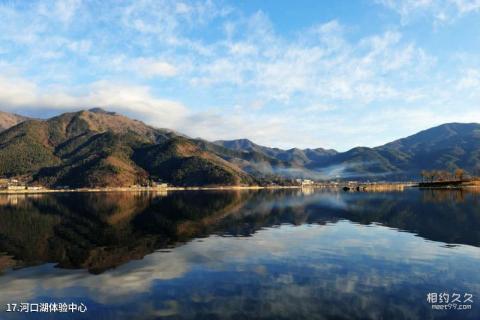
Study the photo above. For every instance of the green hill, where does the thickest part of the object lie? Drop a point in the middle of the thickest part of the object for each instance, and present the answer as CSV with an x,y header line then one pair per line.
x,y
182,162
98,149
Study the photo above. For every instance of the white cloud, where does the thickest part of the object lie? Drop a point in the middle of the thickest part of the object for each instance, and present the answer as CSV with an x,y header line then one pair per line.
x,y
213,125
80,47
320,64
152,67
18,93
66,9
183,8
138,99
440,11
466,6
169,19
470,80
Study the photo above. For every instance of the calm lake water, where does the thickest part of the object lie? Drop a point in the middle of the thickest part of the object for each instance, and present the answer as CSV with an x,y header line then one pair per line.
x,y
283,254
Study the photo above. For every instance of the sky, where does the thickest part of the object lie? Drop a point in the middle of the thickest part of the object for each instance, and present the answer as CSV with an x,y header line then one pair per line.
x,y
331,74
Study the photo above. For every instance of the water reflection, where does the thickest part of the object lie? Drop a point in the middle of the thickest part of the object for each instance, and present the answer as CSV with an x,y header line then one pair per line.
x,y
451,195
101,231
262,254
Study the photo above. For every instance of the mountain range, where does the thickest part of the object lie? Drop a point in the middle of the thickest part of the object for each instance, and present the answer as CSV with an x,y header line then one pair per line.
x,y
445,147
100,148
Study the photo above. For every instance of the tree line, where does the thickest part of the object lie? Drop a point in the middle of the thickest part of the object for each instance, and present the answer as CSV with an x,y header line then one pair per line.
x,y
443,175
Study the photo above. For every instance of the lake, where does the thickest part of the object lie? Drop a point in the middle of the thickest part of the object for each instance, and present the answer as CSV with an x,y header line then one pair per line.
x,y
268,254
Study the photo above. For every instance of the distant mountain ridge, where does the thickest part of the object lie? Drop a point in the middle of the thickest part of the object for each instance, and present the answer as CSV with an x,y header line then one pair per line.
x,y
445,147
294,155
99,148
8,120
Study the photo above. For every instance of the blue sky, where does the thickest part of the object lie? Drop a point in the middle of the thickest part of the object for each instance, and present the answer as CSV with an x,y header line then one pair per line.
x,y
333,74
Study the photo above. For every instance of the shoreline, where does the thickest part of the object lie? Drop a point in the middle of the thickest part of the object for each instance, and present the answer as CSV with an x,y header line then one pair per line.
x,y
385,187
146,189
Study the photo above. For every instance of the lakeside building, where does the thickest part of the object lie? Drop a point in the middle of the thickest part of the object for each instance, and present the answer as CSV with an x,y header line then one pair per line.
x,y
14,184
16,187
160,185
35,188
305,182
153,185
11,184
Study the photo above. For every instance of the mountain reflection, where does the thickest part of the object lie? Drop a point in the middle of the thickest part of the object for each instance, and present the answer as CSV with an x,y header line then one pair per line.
x,y
99,231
